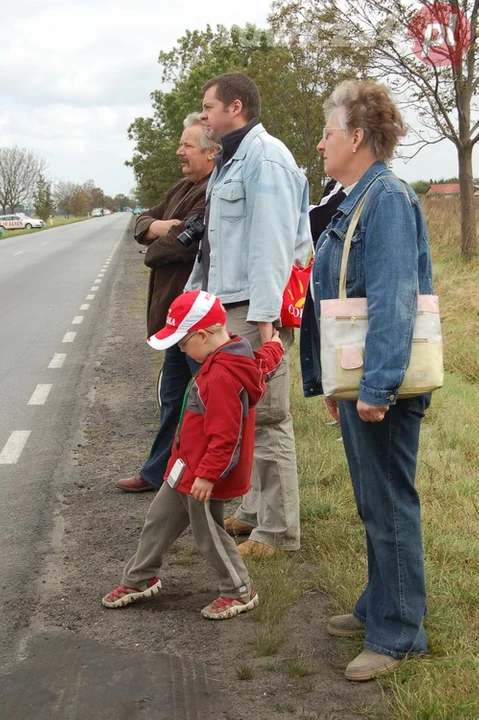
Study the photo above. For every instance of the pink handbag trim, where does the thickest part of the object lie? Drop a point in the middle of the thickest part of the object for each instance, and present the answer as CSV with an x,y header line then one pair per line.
x,y
344,308
358,307
428,303
351,357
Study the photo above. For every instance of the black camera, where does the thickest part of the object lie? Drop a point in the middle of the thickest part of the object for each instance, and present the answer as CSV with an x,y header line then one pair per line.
x,y
193,232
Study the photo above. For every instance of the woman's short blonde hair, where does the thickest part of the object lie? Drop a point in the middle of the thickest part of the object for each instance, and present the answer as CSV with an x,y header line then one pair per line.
x,y
368,105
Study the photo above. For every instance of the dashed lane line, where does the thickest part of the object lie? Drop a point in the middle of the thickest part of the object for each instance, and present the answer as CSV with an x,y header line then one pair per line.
x,y
14,446
77,320
57,360
69,337
40,394
85,306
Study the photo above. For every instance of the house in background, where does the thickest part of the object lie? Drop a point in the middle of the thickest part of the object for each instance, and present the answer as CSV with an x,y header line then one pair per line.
x,y
449,190
444,189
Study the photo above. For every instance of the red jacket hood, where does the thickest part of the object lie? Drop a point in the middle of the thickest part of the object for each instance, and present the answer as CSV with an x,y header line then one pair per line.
x,y
237,355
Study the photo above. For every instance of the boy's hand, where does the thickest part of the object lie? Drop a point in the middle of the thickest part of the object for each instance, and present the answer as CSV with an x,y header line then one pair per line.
x,y
202,489
276,338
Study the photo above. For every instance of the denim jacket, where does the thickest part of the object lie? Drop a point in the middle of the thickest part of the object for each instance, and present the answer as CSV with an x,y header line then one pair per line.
x,y
258,226
389,259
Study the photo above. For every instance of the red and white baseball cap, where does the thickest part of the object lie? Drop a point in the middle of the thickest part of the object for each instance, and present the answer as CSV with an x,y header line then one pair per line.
x,y
194,310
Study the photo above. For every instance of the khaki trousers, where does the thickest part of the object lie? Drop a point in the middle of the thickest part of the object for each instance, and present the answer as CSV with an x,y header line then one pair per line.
x,y
170,513
272,505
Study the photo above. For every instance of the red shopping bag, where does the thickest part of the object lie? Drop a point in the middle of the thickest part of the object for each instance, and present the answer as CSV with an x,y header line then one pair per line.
x,y
294,296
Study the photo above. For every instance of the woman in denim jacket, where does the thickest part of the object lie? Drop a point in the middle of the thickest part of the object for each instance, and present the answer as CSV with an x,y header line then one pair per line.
x,y
388,261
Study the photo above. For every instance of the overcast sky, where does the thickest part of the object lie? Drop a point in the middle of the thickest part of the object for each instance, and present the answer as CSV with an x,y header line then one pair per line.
x,y
74,75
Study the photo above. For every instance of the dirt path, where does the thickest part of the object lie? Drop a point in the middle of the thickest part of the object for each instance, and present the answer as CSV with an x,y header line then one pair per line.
x,y
97,530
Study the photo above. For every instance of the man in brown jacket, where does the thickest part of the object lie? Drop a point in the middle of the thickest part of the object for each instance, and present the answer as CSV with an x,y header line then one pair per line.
x,y
171,264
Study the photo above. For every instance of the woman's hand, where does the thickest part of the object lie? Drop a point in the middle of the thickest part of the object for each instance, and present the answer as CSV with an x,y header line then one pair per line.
x,y
333,409
202,489
371,413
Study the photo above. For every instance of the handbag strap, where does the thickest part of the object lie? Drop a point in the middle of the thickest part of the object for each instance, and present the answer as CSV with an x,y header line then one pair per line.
x,y
347,242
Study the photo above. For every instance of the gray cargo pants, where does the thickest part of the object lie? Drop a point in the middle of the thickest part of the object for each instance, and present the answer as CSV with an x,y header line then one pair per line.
x,y
170,513
272,505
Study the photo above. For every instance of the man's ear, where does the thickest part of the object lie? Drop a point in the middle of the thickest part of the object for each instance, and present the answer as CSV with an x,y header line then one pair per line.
x,y
236,107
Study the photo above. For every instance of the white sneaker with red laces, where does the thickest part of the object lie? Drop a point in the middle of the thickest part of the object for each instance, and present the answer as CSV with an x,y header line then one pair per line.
x,y
224,608
122,595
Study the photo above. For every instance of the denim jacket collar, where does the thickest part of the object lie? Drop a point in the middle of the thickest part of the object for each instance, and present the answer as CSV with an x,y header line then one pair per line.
x,y
372,173
245,144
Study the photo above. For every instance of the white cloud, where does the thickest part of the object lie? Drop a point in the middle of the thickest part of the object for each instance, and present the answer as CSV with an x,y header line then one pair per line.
x,y
74,76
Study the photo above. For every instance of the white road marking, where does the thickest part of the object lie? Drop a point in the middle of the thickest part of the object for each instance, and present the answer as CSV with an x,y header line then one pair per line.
x,y
90,297
98,280
13,447
94,288
57,360
18,253
77,320
69,337
84,307
46,242
40,395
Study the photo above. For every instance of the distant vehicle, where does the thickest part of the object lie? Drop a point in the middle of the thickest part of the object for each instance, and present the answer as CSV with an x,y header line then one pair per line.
x,y
137,210
19,221
99,212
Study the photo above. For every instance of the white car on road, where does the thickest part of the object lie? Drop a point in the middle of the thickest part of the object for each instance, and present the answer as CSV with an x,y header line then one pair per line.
x,y
19,222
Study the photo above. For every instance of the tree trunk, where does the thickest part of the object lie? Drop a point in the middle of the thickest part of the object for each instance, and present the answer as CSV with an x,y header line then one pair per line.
x,y
468,210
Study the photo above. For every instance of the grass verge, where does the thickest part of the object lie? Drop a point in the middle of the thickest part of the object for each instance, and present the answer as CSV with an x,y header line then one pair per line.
x,y
56,222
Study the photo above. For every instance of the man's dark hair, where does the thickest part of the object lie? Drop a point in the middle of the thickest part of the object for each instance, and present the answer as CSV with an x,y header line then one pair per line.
x,y
237,86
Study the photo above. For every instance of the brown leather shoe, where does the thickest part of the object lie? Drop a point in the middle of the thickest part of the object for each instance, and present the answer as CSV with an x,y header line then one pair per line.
x,y
256,549
134,484
236,527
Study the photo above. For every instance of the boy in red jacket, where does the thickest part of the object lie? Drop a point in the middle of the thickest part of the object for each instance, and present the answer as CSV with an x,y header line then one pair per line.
x,y
212,456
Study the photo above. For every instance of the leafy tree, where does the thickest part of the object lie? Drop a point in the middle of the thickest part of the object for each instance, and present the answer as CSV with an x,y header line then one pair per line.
x,y
420,186
79,204
313,65
96,196
62,195
122,201
293,77
43,200
440,85
19,170
197,57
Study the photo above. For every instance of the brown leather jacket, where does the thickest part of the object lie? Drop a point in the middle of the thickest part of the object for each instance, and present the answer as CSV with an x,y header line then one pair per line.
x,y
170,262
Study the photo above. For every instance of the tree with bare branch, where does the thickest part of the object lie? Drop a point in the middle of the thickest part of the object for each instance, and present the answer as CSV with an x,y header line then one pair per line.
x,y
429,54
19,171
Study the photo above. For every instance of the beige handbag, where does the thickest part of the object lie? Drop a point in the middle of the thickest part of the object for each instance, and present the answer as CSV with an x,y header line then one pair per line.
x,y
343,328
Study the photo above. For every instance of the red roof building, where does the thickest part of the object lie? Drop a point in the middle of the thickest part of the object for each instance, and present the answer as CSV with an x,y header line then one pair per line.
x,y
448,189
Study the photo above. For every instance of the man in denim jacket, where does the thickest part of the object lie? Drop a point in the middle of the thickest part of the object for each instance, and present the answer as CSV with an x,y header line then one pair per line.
x,y
256,227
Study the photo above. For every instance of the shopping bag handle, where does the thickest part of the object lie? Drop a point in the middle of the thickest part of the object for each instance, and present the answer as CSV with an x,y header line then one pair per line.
x,y
347,243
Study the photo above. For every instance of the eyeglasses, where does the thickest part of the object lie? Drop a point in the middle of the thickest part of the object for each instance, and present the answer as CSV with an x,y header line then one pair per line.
x,y
327,132
183,343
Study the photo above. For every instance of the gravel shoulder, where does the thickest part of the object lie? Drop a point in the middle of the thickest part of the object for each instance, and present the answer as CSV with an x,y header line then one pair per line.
x,y
97,528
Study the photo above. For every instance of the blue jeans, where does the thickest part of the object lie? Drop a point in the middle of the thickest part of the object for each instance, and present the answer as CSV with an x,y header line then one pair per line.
x,y
175,375
382,462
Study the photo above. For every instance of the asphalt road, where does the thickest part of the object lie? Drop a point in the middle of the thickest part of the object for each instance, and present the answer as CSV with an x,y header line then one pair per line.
x,y
54,289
